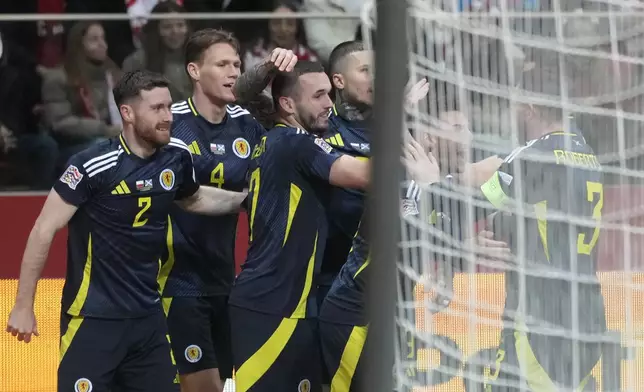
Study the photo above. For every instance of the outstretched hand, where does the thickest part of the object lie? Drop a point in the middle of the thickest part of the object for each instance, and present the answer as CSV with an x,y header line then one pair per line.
x,y
416,92
422,166
283,60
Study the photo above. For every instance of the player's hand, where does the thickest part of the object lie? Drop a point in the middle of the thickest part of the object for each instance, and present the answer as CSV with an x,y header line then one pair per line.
x,y
490,251
421,166
22,323
7,139
283,60
416,92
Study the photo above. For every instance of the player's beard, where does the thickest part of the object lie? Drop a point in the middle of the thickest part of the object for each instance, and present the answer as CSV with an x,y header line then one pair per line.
x,y
317,125
156,136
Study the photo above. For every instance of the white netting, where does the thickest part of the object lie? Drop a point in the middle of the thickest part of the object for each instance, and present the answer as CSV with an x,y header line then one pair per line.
x,y
573,63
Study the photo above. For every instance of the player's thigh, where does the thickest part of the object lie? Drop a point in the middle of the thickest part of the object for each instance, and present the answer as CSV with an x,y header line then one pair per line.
x,y
148,366
272,353
90,353
342,348
189,324
221,336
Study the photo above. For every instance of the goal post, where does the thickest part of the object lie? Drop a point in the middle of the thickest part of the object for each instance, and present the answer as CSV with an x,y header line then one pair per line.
x,y
575,64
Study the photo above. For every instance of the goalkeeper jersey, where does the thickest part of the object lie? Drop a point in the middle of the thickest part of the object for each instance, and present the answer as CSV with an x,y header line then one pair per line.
x,y
554,186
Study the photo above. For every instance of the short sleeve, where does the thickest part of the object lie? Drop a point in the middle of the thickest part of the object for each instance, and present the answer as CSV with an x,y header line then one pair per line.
x,y
74,186
314,157
189,184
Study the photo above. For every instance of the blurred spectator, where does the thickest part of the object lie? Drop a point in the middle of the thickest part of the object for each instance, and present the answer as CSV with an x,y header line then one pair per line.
x,y
162,50
325,34
78,101
118,33
244,30
280,33
23,144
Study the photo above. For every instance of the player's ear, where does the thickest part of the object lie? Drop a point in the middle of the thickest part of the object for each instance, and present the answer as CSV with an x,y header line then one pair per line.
x,y
193,71
338,81
287,104
127,113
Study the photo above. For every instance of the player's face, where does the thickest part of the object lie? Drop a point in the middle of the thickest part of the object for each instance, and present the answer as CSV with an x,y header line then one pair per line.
x,y
357,80
153,116
450,141
283,31
173,33
218,72
94,44
312,104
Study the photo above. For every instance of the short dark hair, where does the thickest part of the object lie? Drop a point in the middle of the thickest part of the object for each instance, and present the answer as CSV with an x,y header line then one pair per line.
x,y
285,82
201,40
340,52
132,83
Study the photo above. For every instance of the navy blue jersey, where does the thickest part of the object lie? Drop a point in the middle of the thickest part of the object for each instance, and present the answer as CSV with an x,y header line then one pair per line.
x,y
116,237
200,249
345,208
289,190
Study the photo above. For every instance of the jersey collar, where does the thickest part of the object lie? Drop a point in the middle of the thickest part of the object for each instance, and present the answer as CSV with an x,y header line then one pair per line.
x,y
124,145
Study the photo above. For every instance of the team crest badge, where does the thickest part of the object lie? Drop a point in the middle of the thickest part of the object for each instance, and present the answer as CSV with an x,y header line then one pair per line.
x,y
83,385
193,353
72,177
167,179
304,386
241,148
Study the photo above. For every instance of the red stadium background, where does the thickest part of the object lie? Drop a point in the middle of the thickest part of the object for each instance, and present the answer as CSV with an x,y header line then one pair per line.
x,y
27,368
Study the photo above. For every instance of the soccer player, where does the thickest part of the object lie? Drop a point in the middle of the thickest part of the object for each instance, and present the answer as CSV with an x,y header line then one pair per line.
x,y
273,305
555,173
199,267
116,197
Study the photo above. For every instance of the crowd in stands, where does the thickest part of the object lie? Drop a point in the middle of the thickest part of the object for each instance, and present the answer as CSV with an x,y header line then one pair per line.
x,y
57,78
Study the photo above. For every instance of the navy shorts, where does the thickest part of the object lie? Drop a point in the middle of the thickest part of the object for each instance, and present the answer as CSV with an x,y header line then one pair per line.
x,y
343,346
273,353
104,355
200,334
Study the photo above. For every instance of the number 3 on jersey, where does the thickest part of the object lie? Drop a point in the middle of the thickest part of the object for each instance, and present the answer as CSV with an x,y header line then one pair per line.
x,y
144,204
595,194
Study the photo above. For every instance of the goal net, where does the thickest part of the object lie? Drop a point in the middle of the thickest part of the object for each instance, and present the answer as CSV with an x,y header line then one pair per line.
x,y
565,310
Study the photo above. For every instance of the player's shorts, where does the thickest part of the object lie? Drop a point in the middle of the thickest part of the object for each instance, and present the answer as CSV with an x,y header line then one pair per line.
x,y
102,355
342,348
541,363
273,354
200,334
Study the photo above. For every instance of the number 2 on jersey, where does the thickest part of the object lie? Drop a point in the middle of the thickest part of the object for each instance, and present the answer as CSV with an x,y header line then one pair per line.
x,y
254,189
144,205
217,175
595,194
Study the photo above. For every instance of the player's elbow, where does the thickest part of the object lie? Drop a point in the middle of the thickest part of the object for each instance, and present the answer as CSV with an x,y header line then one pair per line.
x,y
350,172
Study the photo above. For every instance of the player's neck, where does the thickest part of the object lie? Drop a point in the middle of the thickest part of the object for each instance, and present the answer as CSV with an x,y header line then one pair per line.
x,y
212,111
349,111
290,121
137,146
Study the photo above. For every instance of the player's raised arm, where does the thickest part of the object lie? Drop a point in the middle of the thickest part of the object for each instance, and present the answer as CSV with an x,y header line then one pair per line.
x,y
253,81
54,216
213,201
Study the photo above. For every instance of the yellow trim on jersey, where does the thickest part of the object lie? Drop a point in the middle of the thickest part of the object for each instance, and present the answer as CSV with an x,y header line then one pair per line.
x,y
342,378
66,339
125,147
81,296
335,140
192,107
540,210
281,125
164,271
258,364
300,310
335,111
362,267
194,148
121,189
293,203
493,191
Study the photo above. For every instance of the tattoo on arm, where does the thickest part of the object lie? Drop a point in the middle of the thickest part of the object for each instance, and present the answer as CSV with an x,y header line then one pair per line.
x,y
253,81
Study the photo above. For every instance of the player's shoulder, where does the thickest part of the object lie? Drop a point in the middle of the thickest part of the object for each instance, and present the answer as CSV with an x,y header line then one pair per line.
x,y
180,109
177,145
238,112
98,158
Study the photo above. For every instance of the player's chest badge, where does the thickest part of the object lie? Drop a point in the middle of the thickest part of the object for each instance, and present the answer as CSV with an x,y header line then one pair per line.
x,y
144,185
217,149
166,179
241,148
